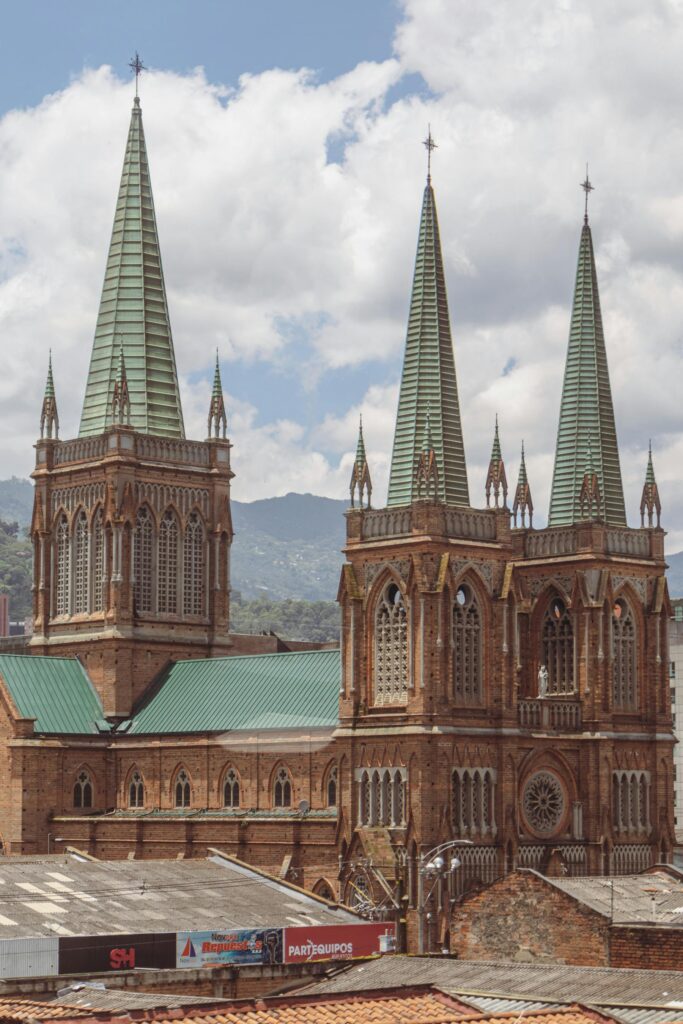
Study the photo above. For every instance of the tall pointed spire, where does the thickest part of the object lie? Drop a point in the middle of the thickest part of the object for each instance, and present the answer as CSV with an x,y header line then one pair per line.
x,y
586,409
522,505
218,419
496,479
49,417
649,502
361,484
133,308
429,377
120,402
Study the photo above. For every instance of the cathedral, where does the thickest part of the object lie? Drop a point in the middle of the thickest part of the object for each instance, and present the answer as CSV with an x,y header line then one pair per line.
x,y
497,686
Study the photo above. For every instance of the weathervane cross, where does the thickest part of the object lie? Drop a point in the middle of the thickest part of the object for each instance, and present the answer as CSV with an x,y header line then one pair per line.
x,y
138,67
587,188
429,145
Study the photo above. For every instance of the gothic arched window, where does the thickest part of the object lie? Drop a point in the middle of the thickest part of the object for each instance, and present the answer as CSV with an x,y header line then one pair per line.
x,y
80,549
193,567
63,582
624,656
142,559
183,789
466,645
282,791
398,800
558,647
98,561
391,648
231,789
83,790
364,809
136,791
167,576
332,787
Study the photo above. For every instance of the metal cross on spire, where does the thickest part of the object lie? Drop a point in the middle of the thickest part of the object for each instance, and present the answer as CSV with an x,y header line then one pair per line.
x,y
587,188
138,67
429,145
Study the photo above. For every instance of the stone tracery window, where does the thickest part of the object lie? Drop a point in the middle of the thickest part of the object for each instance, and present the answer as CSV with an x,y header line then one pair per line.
x,y
624,656
63,582
282,790
193,566
543,802
467,646
231,789
558,647
183,789
382,797
98,561
83,790
80,547
631,801
143,542
473,801
167,576
136,791
391,648
332,779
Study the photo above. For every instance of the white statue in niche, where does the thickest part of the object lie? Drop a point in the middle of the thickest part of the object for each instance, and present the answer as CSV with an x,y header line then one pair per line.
x,y
543,681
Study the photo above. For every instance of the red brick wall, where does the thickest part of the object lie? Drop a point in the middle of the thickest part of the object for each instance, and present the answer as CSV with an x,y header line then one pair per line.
x,y
651,948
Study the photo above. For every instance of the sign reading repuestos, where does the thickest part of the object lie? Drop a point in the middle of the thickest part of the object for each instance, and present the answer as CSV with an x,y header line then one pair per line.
x,y
338,942
244,946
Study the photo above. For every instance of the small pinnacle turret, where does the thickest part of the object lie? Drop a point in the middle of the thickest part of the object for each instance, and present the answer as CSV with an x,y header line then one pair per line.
x,y
590,499
496,480
649,502
120,402
427,469
361,484
49,417
218,419
523,504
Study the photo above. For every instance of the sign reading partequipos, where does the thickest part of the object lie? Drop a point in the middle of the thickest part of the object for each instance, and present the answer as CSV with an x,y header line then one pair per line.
x,y
338,942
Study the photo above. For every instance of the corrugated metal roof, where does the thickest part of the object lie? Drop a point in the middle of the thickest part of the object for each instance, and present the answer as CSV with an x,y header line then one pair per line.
x,y
265,691
655,898
54,691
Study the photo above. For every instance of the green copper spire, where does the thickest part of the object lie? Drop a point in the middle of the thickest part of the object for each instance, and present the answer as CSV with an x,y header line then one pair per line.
x,y
428,379
586,411
49,417
360,474
134,312
523,505
650,471
650,503
218,419
496,477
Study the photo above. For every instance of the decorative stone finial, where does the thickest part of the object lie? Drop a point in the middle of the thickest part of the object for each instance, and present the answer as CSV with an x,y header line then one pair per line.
x,y
218,420
523,505
360,474
496,479
49,417
649,502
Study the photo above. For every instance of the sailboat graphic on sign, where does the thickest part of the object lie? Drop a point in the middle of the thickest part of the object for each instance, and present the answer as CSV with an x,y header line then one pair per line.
x,y
189,949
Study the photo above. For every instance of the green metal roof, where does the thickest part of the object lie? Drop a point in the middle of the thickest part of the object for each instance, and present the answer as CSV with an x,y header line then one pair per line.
x,y
429,381
54,691
133,311
265,691
586,412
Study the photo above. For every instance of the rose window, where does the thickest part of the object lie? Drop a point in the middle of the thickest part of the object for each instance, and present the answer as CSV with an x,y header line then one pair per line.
x,y
543,802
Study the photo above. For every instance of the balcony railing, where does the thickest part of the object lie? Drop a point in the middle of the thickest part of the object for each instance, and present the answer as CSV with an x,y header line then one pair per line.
x,y
547,714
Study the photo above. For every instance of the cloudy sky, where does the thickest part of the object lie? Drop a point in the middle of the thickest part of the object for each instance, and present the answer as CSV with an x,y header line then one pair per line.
x,y
287,167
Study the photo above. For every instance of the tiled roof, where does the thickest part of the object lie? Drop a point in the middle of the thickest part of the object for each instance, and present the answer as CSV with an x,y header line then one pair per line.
x,y
263,691
54,691
30,1009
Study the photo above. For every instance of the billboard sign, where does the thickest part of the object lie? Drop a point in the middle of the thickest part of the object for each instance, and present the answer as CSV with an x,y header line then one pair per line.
x,y
338,942
81,954
241,946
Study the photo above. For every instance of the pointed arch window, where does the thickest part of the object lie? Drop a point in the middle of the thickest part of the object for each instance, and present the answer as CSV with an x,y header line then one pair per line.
x,y
364,809
81,564
83,790
63,583
136,791
142,559
282,790
231,789
332,779
167,580
624,656
558,647
183,789
391,648
193,566
98,561
467,667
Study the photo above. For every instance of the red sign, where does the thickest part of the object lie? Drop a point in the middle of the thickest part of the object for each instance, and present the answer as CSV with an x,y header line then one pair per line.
x,y
339,942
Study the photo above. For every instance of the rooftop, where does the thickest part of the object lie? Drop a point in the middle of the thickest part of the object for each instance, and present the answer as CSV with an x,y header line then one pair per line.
x,y
653,898
72,896
56,692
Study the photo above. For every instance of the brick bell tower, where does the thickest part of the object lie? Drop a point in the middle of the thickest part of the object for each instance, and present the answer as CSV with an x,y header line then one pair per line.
x,y
501,685
131,524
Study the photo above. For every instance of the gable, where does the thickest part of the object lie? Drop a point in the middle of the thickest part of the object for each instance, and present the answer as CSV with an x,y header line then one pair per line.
x,y
56,692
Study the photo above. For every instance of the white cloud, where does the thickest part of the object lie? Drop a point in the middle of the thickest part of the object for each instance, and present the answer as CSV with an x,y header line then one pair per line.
x,y
259,229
